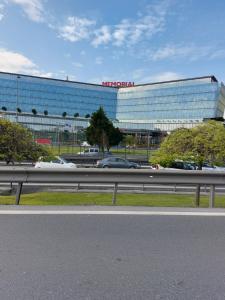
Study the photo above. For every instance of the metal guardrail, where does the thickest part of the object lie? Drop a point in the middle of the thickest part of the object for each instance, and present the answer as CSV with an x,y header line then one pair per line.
x,y
115,177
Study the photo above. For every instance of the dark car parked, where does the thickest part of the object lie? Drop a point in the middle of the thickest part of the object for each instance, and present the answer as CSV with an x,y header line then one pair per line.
x,y
116,162
183,165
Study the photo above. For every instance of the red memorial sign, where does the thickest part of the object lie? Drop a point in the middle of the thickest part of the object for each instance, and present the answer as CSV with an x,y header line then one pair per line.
x,y
118,83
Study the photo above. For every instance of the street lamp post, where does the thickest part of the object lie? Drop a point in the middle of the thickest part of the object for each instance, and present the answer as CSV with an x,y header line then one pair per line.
x,y
148,136
17,96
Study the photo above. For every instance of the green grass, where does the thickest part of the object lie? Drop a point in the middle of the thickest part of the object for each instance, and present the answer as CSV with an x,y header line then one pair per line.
x,y
163,200
64,149
74,150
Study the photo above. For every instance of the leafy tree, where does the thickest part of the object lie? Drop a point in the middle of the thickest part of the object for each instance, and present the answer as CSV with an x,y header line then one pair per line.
x,y
76,115
4,108
130,140
16,143
199,144
64,114
115,137
19,110
45,112
87,116
34,111
101,131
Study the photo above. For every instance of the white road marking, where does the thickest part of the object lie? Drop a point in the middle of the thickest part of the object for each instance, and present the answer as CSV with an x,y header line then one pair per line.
x,y
110,212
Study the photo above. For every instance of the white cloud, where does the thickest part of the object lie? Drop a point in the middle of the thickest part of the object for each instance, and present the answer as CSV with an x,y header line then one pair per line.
x,y
102,36
165,76
78,65
121,32
190,52
68,55
99,60
33,9
15,62
76,29
42,74
138,73
18,63
1,11
218,54
140,76
129,32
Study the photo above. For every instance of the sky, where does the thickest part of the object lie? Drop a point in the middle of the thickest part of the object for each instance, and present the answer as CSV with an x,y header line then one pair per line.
x,y
122,40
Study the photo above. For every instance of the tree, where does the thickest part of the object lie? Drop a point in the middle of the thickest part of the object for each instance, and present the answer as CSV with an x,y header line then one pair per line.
x,y
76,115
34,111
101,131
16,143
87,116
115,137
130,140
199,144
64,114
4,108
45,112
19,110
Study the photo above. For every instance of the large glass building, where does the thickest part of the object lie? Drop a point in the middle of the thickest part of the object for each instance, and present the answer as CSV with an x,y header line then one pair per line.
x,y
168,105
45,104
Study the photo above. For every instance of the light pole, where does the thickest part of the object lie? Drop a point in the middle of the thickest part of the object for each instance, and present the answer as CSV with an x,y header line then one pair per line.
x,y
58,138
148,142
17,96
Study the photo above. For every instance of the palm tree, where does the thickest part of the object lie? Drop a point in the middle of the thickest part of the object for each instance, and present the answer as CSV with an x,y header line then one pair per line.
x,y
64,114
34,111
45,112
76,115
4,108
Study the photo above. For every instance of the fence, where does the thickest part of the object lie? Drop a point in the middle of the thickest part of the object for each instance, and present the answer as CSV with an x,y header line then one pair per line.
x,y
115,177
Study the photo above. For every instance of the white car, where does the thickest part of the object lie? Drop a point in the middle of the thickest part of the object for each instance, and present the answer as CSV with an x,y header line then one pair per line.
x,y
57,162
90,151
85,144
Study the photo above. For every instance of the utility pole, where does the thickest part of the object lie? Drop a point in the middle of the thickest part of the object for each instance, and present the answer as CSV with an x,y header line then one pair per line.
x,y
17,96
58,138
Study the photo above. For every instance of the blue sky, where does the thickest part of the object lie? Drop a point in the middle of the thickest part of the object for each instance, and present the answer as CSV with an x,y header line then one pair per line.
x,y
94,40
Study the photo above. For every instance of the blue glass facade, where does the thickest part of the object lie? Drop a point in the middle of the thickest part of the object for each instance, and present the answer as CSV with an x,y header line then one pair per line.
x,y
55,96
181,100
160,106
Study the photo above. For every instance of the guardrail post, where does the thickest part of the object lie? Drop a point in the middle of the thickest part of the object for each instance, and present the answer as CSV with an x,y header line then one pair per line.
x,y
197,195
114,194
212,196
175,187
18,192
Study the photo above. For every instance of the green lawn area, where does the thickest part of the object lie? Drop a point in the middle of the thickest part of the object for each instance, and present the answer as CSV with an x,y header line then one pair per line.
x,y
163,200
74,150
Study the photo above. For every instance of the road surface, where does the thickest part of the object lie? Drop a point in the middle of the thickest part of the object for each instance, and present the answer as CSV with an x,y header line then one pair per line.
x,y
94,256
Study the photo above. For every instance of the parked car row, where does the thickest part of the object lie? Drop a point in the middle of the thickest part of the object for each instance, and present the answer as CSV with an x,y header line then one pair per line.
x,y
118,162
109,162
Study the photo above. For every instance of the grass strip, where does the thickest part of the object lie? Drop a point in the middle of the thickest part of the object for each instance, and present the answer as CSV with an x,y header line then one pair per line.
x,y
163,200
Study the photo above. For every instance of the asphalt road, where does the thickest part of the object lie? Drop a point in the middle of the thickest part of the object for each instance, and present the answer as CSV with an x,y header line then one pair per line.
x,y
112,257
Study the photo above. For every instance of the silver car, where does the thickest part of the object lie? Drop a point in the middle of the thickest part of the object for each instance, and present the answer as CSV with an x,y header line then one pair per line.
x,y
116,162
